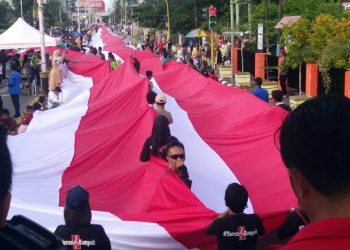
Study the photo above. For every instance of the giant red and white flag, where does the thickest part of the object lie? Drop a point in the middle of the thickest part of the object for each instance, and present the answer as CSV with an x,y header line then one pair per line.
x,y
95,139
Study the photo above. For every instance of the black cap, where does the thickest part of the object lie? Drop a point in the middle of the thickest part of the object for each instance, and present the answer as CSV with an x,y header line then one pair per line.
x,y
77,198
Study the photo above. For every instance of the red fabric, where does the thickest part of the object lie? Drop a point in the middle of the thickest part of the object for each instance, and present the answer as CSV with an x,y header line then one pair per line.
x,y
246,143
324,234
153,64
90,65
71,54
117,46
48,50
118,120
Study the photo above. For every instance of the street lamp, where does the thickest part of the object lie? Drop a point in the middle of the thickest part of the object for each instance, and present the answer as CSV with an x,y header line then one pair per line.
x,y
168,15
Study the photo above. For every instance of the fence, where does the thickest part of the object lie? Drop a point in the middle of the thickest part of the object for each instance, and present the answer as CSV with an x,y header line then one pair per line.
x,y
271,74
271,68
293,78
248,61
337,83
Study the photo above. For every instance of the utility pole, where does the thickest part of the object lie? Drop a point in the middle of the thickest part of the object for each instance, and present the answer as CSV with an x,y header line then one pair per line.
x,y
78,16
280,11
59,12
250,16
266,25
237,13
168,15
195,14
125,12
121,13
232,15
42,38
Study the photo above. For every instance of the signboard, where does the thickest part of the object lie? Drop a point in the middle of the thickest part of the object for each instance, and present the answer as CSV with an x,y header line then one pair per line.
x,y
260,38
98,5
233,33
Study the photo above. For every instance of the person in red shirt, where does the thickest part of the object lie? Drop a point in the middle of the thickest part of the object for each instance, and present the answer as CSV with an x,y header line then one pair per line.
x,y
315,145
160,46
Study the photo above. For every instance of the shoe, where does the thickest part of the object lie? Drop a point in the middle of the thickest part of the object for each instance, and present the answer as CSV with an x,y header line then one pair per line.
x,y
17,116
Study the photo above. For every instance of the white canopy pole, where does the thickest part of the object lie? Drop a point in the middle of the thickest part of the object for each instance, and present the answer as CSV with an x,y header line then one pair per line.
x,y
42,39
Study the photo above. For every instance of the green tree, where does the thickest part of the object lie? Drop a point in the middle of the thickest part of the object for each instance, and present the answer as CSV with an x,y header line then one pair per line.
x,y
117,11
7,16
258,16
296,38
51,14
27,7
152,14
297,41
330,39
325,29
310,9
323,40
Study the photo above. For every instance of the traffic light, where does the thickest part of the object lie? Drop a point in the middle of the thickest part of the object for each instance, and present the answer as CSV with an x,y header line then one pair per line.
x,y
212,17
205,13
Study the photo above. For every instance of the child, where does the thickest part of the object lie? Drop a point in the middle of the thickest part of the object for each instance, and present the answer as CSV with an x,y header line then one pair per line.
x,y
233,228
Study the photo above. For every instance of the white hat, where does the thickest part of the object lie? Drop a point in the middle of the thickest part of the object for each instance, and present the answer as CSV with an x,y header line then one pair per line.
x,y
160,98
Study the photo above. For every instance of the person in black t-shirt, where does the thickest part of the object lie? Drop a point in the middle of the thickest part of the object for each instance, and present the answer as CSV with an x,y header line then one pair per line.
x,y
155,144
78,231
234,229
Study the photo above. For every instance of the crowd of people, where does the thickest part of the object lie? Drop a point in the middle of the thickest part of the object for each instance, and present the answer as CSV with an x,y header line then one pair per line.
x,y
77,217
20,70
314,143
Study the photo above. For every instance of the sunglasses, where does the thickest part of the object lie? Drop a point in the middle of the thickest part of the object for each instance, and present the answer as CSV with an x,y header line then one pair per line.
x,y
177,156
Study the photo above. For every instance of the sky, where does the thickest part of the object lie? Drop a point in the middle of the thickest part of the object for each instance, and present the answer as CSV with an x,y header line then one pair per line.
x,y
109,4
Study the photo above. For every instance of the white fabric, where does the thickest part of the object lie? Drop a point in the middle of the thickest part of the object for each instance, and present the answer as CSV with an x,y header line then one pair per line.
x,y
46,149
117,58
22,35
54,100
42,154
96,40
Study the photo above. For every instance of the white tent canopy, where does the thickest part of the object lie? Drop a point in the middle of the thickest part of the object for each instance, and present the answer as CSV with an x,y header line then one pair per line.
x,y
22,35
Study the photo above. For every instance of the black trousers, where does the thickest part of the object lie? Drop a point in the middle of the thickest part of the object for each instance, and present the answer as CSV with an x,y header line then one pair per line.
x,y
4,69
15,101
283,82
1,103
35,74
